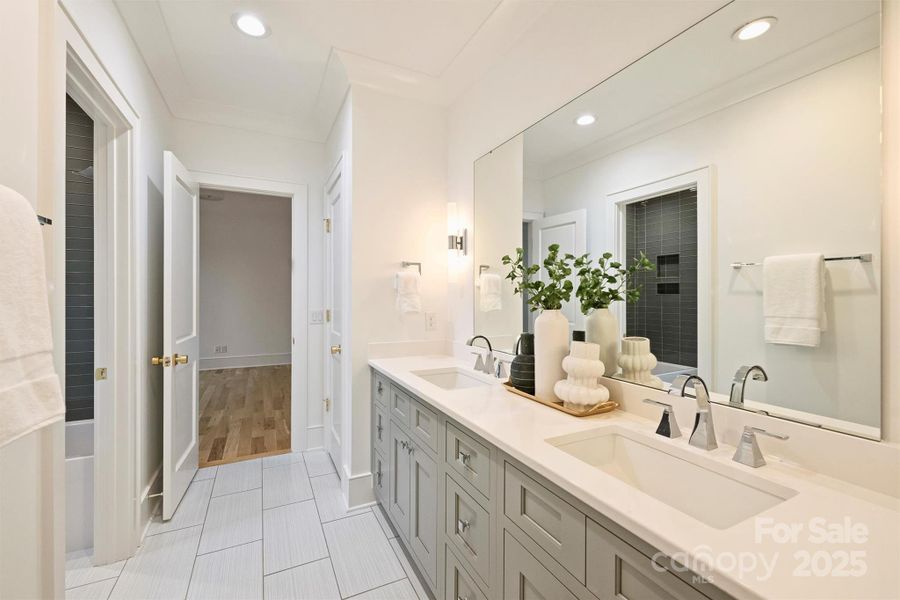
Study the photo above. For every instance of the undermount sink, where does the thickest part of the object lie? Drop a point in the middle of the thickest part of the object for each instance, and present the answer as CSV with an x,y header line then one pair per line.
x,y
452,378
708,491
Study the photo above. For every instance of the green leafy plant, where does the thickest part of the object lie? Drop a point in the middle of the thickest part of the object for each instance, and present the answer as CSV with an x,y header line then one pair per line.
x,y
542,295
607,282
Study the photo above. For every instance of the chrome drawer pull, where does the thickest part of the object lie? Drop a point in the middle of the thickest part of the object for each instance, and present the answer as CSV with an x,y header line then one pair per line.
x,y
379,478
462,525
380,388
379,429
463,457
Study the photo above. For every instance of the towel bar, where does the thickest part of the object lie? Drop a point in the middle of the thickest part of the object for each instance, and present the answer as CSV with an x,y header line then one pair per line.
x,y
44,220
860,257
483,268
407,263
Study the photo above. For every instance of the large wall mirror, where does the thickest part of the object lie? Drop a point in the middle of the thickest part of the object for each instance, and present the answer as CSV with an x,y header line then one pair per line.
x,y
722,159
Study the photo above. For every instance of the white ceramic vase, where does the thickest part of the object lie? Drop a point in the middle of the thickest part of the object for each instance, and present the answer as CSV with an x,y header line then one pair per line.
x,y
602,328
582,389
637,362
551,343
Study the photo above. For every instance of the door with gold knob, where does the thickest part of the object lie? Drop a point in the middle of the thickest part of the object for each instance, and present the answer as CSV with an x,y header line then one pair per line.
x,y
335,293
180,332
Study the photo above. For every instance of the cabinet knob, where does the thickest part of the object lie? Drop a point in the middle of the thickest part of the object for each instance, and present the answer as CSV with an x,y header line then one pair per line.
x,y
380,388
463,457
462,525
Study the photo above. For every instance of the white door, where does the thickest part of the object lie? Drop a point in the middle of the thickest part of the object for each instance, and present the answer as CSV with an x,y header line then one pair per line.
x,y
181,346
569,230
335,268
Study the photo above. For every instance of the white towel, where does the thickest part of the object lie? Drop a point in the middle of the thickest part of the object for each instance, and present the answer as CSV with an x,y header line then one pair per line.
x,y
794,299
30,396
491,298
408,298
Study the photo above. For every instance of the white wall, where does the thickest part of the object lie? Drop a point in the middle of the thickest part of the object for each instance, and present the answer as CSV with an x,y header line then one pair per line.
x,y
399,212
245,281
788,179
499,198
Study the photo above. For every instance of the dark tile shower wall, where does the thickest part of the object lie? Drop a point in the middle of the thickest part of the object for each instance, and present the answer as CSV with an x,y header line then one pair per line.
x,y
79,264
665,228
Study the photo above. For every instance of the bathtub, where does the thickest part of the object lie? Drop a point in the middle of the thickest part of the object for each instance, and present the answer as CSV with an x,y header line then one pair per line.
x,y
79,485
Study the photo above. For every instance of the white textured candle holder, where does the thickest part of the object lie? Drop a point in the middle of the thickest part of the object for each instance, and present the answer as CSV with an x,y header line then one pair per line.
x,y
582,389
637,363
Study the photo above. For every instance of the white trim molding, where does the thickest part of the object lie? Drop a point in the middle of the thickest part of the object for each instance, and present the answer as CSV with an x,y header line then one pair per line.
x,y
299,360
703,179
246,361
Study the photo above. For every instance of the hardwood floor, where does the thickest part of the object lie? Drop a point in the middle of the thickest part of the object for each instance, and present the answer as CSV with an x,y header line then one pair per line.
x,y
244,413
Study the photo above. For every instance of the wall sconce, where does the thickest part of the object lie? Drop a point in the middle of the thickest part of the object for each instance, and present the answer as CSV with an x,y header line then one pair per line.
x,y
457,241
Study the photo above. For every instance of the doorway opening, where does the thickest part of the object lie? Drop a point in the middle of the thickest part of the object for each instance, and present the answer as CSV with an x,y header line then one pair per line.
x,y
245,294
665,229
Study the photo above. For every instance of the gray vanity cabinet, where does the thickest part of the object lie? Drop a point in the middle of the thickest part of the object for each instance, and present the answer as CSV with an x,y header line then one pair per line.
x,y
524,577
479,525
399,497
423,528
619,572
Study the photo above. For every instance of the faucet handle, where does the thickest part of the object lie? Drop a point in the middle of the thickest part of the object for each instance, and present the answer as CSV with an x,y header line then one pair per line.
x,y
777,436
501,371
479,361
748,452
668,426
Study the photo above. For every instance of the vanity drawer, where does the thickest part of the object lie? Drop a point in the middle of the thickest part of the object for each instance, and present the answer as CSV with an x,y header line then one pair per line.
x,y
554,524
380,429
458,585
469,458
380,475
381,389
400,405
619,572
469,529
424,425
525,577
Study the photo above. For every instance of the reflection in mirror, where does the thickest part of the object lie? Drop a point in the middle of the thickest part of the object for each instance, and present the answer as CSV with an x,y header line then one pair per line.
x,y
736,166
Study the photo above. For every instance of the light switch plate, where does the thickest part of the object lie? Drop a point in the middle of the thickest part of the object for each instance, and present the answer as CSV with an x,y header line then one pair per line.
x,y
316,317
430,321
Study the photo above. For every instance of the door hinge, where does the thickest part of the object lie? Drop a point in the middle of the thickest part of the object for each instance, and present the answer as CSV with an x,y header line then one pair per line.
x,y
100,374
327,225
328,315
327,403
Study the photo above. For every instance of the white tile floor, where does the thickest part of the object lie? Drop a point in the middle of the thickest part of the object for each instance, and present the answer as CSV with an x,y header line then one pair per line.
x,y
273,528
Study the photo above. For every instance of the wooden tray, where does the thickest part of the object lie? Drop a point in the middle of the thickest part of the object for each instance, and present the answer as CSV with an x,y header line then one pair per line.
x,y
603,407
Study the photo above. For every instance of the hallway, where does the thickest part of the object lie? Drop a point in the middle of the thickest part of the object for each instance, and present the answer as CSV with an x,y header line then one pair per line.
x,y
244,412
274,527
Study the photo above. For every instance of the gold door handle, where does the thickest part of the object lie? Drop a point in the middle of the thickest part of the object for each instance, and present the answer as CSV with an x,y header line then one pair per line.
x,y
180,359
160,361
335,350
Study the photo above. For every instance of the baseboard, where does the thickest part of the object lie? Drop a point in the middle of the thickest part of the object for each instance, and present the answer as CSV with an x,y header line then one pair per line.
x,y
360,492
148,504
250,360
315,437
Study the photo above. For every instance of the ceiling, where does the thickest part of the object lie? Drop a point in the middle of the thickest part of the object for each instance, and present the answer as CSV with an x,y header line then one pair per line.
x,y
701,71
292,81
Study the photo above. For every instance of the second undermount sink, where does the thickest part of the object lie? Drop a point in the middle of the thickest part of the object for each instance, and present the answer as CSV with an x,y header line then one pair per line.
x,y
451,378
713,493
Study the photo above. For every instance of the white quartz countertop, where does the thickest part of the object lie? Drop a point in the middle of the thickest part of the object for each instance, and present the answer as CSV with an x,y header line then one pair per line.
x,y
829,540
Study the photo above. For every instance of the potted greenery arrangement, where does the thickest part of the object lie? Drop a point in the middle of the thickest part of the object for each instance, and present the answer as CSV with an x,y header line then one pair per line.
x,y
551,328
599,286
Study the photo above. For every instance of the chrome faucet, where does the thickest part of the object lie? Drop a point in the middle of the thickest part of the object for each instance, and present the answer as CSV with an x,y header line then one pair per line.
x,y
668,426
704,434
755,372
484,363
748,452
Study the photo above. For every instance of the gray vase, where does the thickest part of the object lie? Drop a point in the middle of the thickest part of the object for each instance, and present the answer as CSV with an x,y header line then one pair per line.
x,y
521,371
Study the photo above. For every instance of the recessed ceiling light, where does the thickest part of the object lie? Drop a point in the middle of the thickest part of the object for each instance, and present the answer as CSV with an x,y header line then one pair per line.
x,y
250,24
754,29
586,119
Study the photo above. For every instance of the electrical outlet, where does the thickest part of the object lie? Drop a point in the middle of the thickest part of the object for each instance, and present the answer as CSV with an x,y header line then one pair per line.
x,y
221,349
430,321
316,317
